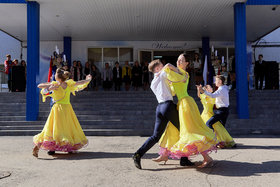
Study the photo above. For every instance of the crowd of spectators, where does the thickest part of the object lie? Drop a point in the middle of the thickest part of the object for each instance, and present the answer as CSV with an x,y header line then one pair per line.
x,y
16,74
135,76
128,77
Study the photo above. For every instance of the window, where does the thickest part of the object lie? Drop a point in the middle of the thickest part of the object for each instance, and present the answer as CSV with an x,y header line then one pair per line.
x,y
126,54
100,56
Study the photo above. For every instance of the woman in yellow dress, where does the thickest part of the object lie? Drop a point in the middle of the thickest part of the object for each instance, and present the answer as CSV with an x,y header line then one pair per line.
x,y
225,140
62,130
194,137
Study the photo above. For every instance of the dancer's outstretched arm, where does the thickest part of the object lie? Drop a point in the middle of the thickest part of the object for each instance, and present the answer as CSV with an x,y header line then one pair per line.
x,y
88,79
44,85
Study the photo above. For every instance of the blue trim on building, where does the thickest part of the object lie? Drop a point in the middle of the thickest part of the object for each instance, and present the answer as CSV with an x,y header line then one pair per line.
x,y
33,57
13,1
67,46
263,2
240,33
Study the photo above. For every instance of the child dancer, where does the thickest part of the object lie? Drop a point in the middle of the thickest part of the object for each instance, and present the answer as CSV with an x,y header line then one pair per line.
x,y
224,138
62,130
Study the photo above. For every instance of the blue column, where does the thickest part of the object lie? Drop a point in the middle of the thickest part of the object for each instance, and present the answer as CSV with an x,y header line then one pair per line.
x,y
33,53
241,60
67,45
205,48
206,51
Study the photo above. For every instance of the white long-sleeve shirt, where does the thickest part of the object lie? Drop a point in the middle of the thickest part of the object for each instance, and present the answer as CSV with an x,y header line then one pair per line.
x,y
161,88
221,95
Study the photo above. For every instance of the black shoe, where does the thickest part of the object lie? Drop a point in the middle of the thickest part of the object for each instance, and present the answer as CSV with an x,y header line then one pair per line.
x,y
137,160
51,152
184,161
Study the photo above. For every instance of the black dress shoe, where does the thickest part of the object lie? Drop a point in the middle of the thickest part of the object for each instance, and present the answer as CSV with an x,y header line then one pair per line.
x,y
51,152
137,160
184,161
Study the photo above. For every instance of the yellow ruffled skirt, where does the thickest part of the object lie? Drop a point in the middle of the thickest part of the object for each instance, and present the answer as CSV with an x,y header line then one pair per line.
x,y
194,136
222,134
62,131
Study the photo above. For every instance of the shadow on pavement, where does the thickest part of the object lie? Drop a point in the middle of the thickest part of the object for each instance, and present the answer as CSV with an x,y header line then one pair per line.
x,y
96,155
242,146
242,169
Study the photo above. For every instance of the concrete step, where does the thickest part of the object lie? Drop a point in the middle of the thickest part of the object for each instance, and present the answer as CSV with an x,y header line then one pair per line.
x,y
136,122
88,132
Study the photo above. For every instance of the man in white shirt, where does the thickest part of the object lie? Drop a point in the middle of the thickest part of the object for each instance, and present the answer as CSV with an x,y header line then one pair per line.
x,y
222,102
166,111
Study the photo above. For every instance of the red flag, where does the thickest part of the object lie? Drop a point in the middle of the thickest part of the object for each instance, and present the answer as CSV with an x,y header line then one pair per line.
x,y
50,70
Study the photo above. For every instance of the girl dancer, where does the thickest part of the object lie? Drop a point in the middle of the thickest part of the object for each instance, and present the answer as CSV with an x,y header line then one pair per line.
x,y
62,130
223,136
194,136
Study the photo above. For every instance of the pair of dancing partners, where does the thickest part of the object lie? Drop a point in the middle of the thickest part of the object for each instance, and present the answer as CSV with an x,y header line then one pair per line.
x,y
179,129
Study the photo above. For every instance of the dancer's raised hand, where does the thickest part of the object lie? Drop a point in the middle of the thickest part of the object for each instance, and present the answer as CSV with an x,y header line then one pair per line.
x,y
88,77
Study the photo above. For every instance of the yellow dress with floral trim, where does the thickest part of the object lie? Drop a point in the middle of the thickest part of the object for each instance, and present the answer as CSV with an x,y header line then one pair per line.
x,y
222,134
62,130
194,136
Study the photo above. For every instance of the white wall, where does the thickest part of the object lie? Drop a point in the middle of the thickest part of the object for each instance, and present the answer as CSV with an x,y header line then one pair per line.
x,y
9,45
269,53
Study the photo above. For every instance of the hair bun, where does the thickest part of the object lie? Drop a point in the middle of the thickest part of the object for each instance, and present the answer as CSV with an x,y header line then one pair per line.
x,y
66,74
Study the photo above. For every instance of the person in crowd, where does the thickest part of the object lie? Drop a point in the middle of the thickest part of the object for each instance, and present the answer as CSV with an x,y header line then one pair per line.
x,y
194,137
23,64
15,62
65,67
80,66
166,111
86,72
94,74
126,75
190,70
197,69
107,77
216,63
8,70
86,69
224,138
136,76
146,81
117,76
259,72
62,130
225,73
75,71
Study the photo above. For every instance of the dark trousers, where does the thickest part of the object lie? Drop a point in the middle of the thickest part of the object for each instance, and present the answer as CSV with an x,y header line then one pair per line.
x,y
259,77
118,83
10,81
165,112
220,115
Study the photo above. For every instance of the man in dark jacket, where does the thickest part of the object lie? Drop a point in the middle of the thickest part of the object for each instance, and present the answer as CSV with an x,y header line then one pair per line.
x,y
117,76
259,71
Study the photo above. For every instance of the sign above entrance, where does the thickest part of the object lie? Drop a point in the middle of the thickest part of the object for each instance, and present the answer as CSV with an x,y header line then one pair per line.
x,y
167,45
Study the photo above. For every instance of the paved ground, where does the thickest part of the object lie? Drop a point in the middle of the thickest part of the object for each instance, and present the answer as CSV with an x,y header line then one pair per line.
x,y
107,162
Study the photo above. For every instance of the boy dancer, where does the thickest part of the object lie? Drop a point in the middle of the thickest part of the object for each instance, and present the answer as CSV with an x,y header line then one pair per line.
x,y
221,102
166,111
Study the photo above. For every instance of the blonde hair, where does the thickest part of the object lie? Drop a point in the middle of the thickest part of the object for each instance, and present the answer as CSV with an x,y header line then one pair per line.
x,y
62,74
153,65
